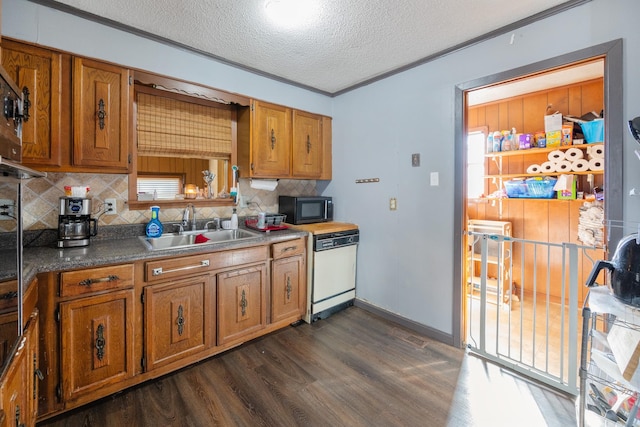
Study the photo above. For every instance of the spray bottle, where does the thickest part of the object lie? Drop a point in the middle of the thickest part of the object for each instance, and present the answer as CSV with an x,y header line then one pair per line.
x,y
154,227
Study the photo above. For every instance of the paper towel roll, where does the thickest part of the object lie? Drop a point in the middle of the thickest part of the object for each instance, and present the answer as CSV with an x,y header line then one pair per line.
x,y
548,167
533,169
264,184
596,152
556,156
573,154
580,165
596,164
563,166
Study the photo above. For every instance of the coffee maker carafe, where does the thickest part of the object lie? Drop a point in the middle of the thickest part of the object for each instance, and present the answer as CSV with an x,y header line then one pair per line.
x,y
75,225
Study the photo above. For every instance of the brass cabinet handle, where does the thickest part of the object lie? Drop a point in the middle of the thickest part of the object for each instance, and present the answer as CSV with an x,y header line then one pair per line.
x,y
308,144
180,320
243,303
101,113
273,139
89,282
289,288
100,342
159,271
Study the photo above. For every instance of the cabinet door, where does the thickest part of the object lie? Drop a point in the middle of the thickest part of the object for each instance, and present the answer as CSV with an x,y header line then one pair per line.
x,y
18,390
241,303
307,147
176,320
97,342
39,71
288,288
271,143
101,96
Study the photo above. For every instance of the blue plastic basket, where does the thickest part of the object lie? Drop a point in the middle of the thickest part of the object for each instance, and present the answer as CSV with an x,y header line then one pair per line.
x,y
531,188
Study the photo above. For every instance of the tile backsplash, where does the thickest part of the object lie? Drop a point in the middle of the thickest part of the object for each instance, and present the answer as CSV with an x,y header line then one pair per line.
x,y
41,199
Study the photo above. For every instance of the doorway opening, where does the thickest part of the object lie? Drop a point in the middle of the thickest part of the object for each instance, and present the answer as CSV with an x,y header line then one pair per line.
x,y
501,102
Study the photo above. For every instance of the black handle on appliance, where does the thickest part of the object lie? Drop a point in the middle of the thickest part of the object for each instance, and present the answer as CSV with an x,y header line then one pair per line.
x,y
94,229
596,270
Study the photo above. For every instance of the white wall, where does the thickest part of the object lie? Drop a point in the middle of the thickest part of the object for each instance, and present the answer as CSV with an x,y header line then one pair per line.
x,y
405,258
38,24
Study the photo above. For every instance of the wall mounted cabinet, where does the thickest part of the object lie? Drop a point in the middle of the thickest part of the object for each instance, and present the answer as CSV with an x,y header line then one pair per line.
x,y
101,97
279,142
38,70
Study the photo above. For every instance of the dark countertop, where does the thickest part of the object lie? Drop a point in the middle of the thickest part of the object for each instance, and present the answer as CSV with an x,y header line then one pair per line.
x,y
43,259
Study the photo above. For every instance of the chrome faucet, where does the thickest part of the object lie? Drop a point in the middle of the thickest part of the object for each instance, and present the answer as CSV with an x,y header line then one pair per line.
x,y
185,217
215,222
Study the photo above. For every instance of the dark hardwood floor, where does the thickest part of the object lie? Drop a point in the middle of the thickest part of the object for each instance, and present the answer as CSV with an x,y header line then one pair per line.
x,y
351,369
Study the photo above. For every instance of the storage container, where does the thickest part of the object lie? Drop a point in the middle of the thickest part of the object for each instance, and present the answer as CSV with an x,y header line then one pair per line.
x,y
531,188
593,131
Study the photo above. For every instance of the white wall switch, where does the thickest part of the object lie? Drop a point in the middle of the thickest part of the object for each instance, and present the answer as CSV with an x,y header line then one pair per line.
x,y
393,204
435,179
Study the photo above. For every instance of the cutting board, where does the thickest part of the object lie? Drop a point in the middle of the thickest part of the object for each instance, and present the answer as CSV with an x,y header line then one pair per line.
x,y
324,227
625,346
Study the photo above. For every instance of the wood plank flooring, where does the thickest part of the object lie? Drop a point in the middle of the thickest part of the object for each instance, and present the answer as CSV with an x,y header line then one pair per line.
x,y
351,369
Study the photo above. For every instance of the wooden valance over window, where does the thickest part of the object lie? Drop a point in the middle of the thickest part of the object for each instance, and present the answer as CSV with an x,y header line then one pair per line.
x,y
169,127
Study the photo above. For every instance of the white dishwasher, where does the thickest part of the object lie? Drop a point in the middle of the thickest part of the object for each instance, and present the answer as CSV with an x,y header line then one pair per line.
x,y
333,273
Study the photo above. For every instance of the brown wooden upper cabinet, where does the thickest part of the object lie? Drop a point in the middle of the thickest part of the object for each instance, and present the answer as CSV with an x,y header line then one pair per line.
x,y
101,96
278,142
40,72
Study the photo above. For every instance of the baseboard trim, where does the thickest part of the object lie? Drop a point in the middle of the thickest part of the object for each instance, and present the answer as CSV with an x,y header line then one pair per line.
x,y
407,323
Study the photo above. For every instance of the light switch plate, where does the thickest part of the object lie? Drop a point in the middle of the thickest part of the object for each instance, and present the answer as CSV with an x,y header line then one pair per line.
x,y
435,179
393,204
415,160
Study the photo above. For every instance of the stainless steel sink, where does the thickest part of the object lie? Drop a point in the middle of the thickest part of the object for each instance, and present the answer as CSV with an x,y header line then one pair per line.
x,y
187,239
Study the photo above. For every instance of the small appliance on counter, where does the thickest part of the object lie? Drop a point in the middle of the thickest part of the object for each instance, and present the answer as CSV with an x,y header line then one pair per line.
x,y
75,225
306,210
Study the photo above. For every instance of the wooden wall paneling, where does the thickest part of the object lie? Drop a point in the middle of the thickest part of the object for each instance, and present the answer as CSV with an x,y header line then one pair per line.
x,y
575,101
559,218
516,114
558,100
492,117
472,118
593,96
503,123
516,209
536,227
534,108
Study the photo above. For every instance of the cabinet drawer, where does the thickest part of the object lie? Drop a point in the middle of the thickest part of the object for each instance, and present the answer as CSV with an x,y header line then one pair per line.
x,y
177,267
96,279
288,248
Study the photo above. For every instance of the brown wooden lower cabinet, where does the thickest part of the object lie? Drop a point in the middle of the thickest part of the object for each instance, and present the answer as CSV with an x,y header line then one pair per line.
x,y
175,320
111,327
18,386
97,338
241,303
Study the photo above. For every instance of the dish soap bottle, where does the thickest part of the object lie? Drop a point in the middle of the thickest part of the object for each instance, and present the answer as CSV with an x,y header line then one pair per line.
x,y
234,220
154,227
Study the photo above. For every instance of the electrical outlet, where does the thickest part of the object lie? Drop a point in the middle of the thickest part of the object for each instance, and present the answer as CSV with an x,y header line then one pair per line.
x,y
7,209
243,202
393,204
110,207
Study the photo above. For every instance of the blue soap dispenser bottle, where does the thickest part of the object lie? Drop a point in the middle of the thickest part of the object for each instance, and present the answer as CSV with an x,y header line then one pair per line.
x,y
154,227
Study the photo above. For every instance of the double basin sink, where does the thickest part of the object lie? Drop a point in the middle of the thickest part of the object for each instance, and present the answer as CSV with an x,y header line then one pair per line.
x,y
190,238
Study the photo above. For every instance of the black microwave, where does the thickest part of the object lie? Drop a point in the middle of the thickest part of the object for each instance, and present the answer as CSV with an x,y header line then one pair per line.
x,y
306,210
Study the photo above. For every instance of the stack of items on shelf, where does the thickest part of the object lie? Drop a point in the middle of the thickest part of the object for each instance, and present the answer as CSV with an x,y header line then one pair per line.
x,y
571,160
590,224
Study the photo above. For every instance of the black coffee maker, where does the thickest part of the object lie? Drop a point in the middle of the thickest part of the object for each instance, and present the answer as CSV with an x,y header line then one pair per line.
x,y
75,225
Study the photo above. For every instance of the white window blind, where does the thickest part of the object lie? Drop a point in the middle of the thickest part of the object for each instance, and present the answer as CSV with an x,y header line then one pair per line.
x,y
165,187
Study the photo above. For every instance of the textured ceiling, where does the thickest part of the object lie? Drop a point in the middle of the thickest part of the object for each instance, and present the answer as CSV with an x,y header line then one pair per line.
x,y
346,43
